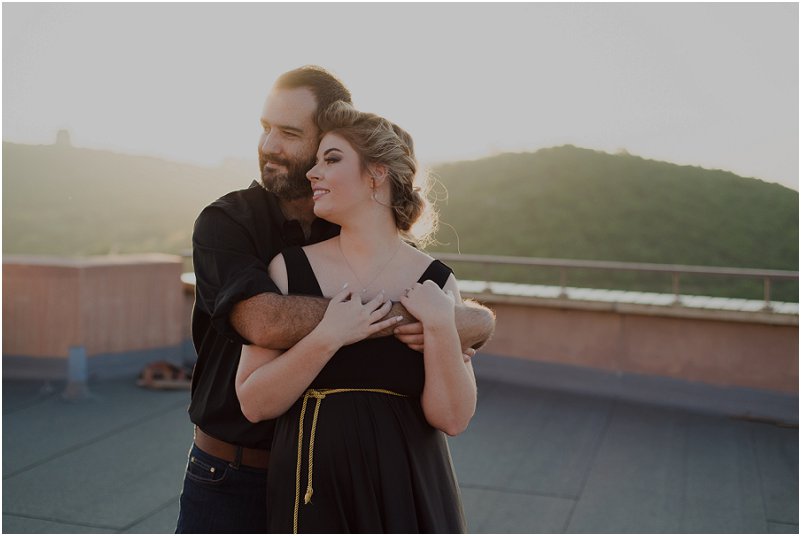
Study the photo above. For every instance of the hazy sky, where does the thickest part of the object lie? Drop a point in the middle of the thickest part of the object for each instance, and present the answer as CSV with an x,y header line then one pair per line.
x,y
714,85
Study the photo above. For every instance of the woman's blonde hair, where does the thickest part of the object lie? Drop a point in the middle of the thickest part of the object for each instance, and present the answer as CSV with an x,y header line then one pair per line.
x,y
379,141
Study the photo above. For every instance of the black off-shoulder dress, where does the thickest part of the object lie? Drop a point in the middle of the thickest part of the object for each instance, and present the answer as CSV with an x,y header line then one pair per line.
x,y
376,464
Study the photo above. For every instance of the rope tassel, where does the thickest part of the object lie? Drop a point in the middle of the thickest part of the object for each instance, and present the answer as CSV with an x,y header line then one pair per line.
x,y
319,395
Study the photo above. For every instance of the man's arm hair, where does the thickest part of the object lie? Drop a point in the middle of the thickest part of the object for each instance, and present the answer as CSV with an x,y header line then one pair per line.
x,y
475,324
276,321
279,322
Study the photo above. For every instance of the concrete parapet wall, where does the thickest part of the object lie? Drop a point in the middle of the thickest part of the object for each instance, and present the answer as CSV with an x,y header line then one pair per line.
x,y
105,305
133,305
756,351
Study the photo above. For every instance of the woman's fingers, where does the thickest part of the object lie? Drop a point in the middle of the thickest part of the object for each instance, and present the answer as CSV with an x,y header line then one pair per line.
x,y
342,295
376,302
381,312
384,324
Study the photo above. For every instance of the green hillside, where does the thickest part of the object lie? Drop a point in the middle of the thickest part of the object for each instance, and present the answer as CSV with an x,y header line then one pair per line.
x,y
69,201
568,202
562,202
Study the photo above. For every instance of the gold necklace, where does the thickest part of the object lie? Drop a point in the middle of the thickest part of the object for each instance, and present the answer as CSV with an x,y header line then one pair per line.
x,y
380,271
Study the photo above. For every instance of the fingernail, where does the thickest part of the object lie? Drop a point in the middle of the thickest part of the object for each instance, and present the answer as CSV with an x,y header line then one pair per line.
x,y
398,318
345,285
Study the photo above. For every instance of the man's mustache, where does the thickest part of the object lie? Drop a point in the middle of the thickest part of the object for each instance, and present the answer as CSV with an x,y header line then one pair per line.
x,y
274,160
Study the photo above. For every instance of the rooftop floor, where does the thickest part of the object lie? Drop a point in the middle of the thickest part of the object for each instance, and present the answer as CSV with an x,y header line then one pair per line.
x,y
531,461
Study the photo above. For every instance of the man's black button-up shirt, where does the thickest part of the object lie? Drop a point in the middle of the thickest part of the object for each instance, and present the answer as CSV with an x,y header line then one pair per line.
x,y
234,240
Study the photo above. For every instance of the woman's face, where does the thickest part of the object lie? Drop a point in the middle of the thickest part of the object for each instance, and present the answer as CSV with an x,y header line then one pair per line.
x,y
338,182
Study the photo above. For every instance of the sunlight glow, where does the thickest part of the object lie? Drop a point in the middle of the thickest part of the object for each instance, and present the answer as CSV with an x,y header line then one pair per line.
x,y
714,85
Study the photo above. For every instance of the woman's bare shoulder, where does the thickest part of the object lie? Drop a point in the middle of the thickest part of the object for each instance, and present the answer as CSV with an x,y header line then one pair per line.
x,y
417,260
277,272
418,254
321,251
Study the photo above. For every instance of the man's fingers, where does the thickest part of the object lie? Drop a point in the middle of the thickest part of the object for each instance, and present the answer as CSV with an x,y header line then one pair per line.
x,y
412,328
414,338
410,334
468,354
416,347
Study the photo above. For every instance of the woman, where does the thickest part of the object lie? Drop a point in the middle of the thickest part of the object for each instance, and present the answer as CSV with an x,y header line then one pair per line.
x,y
359,444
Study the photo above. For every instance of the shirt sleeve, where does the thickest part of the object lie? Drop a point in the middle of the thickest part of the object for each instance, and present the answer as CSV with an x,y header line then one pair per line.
x,y
228,268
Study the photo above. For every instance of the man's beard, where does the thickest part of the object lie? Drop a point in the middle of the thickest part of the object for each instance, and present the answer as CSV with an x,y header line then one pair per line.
x,y
290,184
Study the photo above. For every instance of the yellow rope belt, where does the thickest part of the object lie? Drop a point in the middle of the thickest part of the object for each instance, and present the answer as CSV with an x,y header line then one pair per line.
x,y
319,394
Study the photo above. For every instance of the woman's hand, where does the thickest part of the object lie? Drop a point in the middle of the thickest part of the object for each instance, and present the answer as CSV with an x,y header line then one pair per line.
x,y
429,304
347,320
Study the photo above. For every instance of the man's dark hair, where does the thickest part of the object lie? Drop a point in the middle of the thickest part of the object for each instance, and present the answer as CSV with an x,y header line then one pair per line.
x,y
325,87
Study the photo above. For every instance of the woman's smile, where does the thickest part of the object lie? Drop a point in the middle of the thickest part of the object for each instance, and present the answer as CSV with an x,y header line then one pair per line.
x,y
317,193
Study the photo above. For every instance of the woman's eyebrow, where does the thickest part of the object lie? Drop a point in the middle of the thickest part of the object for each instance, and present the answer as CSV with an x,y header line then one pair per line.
x,y
331,149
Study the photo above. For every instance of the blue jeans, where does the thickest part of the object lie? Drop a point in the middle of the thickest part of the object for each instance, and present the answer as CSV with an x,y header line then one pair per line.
x,y
220,498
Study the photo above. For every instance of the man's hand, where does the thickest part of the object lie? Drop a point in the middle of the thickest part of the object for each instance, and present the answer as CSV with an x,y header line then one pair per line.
x,y
474,322
468,354
411,335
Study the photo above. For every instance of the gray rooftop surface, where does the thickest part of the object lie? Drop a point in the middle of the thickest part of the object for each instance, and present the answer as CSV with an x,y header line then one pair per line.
x,y
531,461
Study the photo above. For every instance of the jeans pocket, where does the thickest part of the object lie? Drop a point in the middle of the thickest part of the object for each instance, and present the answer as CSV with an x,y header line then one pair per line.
x,y
206,471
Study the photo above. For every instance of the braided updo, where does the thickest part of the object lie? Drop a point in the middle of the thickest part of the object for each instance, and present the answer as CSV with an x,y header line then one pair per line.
x,y
379,141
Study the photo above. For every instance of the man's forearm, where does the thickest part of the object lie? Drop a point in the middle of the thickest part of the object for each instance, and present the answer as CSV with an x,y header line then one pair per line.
x,y
275,321
475,324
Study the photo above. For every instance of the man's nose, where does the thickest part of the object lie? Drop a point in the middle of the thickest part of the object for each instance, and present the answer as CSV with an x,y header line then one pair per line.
x,y
269,143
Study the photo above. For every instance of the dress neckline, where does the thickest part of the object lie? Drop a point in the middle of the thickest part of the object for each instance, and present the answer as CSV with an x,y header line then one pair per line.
x,y
428,273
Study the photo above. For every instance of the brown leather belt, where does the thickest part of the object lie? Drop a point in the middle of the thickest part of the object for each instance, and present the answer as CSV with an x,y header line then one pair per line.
x,y
256,458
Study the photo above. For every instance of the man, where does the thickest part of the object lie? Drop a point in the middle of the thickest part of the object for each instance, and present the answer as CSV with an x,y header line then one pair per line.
x,y
236,303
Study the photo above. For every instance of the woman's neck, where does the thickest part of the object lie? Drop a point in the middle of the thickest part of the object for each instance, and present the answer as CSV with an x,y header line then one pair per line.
x,y
369,241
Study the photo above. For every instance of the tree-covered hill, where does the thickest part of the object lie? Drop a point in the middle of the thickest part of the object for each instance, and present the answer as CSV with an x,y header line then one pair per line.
x,y
568,202
563,202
